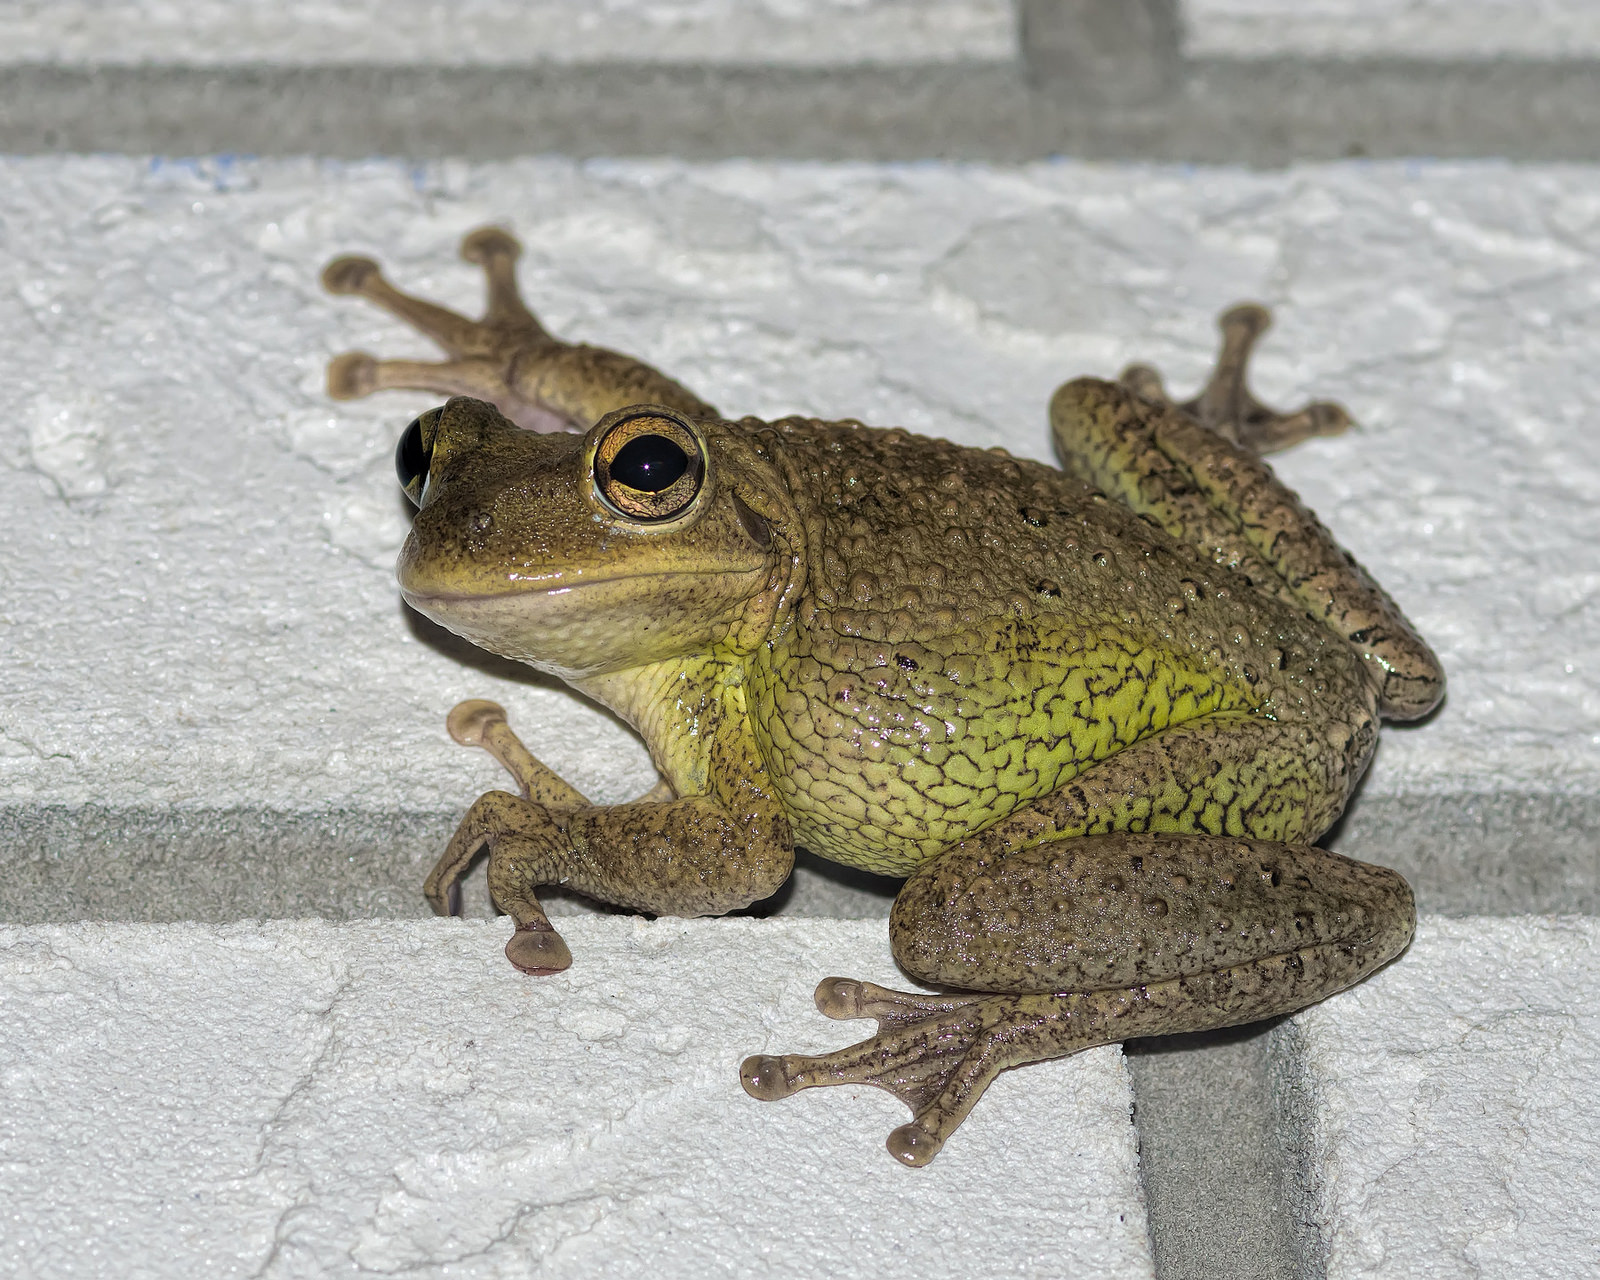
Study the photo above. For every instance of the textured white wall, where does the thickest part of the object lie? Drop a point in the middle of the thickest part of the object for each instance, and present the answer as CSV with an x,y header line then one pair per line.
x,y
790,32
1449,1104
301,1099
1392,28
505,32
198,594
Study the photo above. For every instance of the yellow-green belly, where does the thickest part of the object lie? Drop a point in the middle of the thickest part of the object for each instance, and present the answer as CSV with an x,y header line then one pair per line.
x,y
886,754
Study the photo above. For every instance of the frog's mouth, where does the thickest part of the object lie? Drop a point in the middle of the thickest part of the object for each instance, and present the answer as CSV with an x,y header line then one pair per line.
x,y
597,625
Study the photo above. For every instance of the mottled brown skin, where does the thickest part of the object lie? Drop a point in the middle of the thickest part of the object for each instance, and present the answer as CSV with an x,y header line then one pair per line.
x,y
1095,715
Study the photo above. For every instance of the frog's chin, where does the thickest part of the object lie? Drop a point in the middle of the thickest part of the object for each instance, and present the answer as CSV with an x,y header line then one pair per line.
x,y
592,628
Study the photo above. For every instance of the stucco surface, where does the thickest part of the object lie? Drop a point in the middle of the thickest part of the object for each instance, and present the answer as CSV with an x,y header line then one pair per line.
x,y
198,599
505,32
1444,1108
302,1099
1417,29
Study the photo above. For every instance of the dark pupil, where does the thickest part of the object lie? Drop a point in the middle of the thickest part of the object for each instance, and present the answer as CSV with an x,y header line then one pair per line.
x,y
410,455
649,463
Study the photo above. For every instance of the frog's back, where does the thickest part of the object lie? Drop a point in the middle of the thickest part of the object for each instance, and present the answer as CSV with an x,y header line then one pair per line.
x,y
974,629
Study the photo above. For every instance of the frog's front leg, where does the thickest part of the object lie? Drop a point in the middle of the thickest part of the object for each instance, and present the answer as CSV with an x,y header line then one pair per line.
x,y
506,358
1088,941
698,855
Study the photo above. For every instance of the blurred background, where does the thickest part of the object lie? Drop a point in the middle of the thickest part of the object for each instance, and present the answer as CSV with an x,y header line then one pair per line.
x,y
1252,81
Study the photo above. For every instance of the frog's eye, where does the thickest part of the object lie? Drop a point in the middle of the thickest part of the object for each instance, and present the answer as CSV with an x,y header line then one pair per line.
x,y
414,454
648,464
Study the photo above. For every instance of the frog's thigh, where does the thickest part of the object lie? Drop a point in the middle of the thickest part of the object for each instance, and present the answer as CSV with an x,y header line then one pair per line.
x,y
1207,931
1225,501
1093,940
1116,869
1082,939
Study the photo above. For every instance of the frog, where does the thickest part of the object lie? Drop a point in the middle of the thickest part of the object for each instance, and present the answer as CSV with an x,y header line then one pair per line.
x,y
1095,716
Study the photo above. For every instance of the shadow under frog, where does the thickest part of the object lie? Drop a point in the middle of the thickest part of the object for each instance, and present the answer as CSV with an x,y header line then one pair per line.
x,y
1096,715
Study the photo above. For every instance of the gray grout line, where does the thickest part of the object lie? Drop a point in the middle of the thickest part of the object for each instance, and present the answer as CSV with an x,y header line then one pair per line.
x,y
65,863
1464,855
1289,1092
1209,1157
1482,854
1113,53
1250,112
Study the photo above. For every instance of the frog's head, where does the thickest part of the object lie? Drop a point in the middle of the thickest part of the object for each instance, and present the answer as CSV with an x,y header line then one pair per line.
x,y
648,538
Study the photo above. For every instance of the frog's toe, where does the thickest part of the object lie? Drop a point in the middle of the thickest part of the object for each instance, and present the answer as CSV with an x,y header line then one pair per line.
x,y
843,998
350,275
840,998
877,1062
352,375
914,1146
1144,381
469,721
764,1078
768,1076
489,242
538,950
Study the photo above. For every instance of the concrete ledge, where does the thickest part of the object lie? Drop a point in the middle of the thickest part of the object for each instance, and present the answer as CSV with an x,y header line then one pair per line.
x,y
298,1098
1443,1110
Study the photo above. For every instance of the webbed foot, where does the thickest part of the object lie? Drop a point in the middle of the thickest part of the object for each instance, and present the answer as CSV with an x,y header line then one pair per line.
x,y
483,352
937,1054
1226,404
507,357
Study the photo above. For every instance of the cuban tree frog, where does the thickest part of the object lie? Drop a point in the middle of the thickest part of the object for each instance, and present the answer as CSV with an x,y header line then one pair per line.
x,y
1096,716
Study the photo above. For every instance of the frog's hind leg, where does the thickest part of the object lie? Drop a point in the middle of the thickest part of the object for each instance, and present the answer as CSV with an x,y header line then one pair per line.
x,y
937,1054
1226,403
1079,925
506,358
1161,460
1090,941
